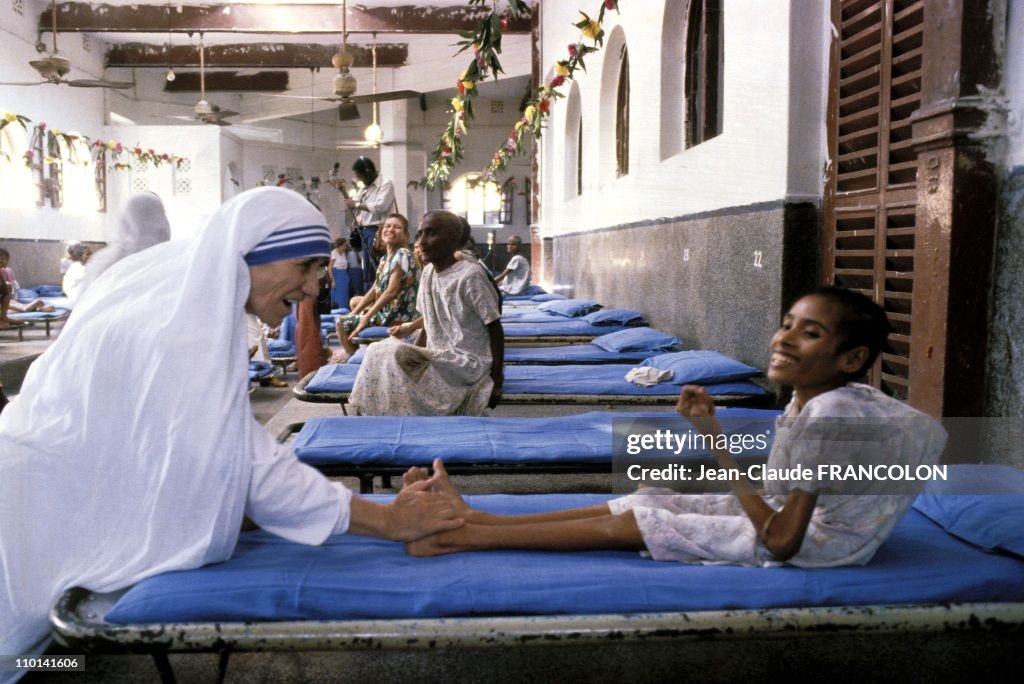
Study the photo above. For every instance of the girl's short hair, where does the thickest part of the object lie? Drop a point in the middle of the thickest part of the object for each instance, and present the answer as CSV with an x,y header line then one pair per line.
x,y
862,323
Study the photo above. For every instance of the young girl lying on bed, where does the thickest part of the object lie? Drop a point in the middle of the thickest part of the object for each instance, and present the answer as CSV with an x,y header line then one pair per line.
x,y
827,339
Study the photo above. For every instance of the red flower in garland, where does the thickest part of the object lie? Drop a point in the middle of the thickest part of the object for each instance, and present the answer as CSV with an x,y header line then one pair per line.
x,y
572,49
165,156
42,125
557,81
544,105
611,4
504,23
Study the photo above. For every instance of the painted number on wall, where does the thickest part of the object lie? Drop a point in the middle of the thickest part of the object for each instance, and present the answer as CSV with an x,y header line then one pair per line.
x,y
758,263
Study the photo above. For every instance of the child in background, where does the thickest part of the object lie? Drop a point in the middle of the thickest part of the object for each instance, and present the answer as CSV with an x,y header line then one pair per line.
x,y
827,340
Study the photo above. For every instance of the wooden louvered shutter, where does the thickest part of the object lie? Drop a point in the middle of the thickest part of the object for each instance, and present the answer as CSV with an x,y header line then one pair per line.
x,y
871,194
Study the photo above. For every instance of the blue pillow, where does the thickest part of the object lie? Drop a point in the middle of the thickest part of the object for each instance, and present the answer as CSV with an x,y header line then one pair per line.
x,y
981,504
572,308
701,367
25,295
49,290
615,317
548,297
636,340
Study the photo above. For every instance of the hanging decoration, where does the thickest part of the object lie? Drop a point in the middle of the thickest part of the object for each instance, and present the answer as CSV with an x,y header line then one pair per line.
x,y
121,155
485,42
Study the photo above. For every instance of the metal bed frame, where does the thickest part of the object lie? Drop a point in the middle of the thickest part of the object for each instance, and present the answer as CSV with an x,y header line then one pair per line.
x,y
78,622
750,401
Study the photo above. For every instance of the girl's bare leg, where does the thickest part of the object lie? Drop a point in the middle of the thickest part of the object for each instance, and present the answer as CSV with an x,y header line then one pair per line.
x,y
593,527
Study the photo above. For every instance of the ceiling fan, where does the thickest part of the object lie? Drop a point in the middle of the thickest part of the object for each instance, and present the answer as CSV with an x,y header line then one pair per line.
x,y
55,66
203,111
345,82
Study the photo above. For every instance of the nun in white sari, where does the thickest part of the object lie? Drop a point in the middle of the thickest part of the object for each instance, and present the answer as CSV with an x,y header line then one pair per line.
x,y
132,449
143,224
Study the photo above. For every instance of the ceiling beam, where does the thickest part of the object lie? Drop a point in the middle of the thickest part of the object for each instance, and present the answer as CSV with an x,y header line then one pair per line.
x,y
292,19
228,81
251,55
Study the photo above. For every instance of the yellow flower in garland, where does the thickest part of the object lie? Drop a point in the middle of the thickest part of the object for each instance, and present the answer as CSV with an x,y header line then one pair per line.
x,y
10,118
529,112
561,68
457,104
591,28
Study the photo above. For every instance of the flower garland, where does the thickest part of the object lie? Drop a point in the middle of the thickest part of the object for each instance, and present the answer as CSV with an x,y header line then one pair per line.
x,y
486,42
97,148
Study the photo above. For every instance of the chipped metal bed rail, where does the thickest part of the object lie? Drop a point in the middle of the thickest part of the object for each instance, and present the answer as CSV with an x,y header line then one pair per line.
x,y
78,620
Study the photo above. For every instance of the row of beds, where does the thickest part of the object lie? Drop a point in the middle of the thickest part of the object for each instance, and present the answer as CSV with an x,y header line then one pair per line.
x,y
53,296
954,565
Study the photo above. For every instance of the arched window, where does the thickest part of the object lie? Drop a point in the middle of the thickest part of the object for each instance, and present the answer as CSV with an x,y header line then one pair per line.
x,y
579,157
478,201
77,178
15,176
703,71
573,160
622,116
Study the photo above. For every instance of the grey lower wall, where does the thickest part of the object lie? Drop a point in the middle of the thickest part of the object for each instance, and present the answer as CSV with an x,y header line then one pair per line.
x,y
37,262
1005,371
718,280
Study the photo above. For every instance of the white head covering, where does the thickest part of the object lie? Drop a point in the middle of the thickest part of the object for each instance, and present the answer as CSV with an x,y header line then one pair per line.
x,y
132,448
143,224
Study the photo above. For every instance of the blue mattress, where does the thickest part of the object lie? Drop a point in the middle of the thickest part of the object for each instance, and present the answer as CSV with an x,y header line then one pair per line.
x,y
280,349
567,326
564,327
570,353
416,440
605,380
260,369
54,315
532,316
352,577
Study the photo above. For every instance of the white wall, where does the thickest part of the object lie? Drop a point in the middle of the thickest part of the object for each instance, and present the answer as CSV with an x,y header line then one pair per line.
x,y
78,110
773,117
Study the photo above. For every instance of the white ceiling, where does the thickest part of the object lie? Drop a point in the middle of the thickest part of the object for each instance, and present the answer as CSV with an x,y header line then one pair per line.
x,y
431,66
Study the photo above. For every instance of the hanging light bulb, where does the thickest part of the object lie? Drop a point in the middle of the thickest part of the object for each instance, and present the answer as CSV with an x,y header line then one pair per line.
x,y
373,133
170,74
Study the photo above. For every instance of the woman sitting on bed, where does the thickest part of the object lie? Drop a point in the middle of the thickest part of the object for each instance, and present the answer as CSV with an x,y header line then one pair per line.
x,y
827,339
393,296
8,286
113,472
